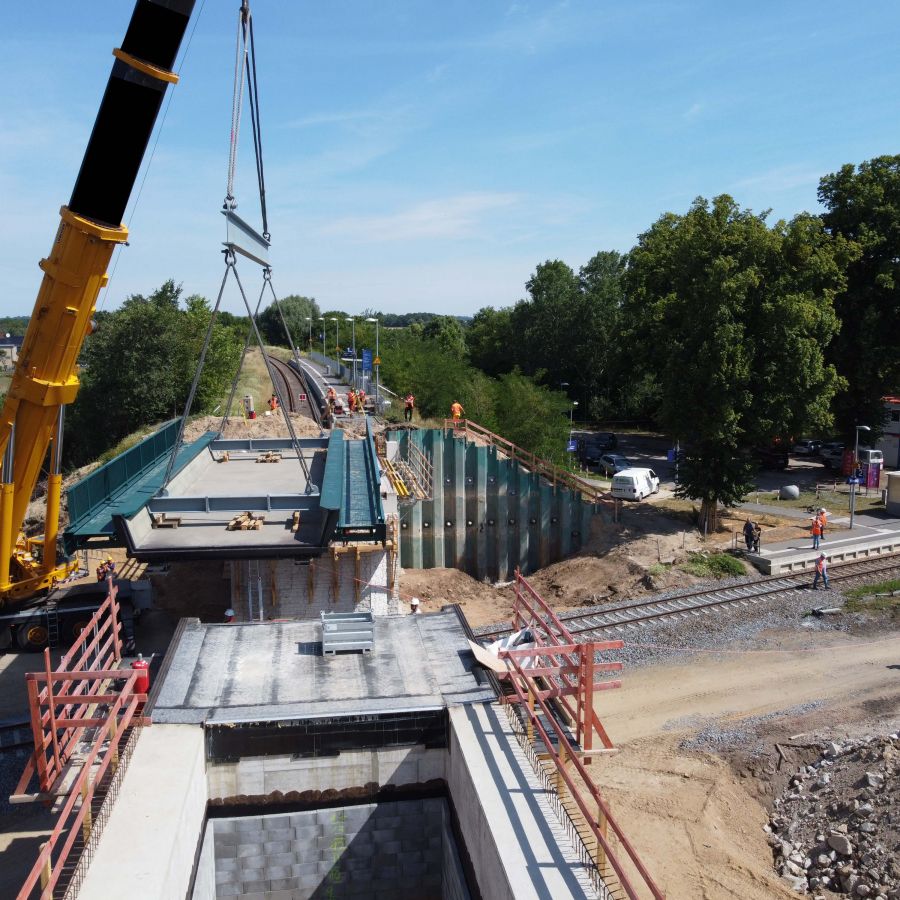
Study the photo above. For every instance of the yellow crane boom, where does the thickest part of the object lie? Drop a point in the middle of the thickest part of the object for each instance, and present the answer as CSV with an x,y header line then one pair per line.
x,y
46,377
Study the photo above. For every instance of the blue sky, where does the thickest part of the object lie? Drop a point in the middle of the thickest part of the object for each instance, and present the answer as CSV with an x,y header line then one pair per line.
x,y
427,156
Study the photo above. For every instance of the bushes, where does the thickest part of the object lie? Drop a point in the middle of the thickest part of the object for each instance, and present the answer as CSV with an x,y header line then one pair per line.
x,y
714,565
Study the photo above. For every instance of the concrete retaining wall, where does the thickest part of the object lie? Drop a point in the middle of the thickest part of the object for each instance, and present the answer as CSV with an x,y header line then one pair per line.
x,y
327,584
262,775
400,850
488,514
152,836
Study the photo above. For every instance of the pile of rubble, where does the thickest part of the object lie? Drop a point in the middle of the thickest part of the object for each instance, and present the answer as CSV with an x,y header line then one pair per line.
x,y
836,829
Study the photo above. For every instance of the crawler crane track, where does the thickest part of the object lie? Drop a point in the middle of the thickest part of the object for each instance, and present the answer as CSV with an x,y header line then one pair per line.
x,y
628,616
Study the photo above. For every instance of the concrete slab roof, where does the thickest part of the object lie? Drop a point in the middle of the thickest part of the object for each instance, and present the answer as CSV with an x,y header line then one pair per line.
x,y
275,670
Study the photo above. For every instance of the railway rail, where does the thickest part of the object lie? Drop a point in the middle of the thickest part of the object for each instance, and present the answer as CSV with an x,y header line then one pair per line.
x,y
292,388
15,733
636,614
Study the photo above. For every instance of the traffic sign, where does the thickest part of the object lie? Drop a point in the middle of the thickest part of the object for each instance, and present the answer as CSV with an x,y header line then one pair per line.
x,y
367,360
853,480
377,360
572,446
303,398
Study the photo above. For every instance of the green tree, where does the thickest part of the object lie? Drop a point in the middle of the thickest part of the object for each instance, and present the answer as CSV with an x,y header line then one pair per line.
x,y
447,333
295,310
138,366
863,205
532,416
733,318
489,339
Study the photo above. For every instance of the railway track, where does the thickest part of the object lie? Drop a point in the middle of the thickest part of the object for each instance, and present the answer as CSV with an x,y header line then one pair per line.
x,y
15,734
291,387
628,616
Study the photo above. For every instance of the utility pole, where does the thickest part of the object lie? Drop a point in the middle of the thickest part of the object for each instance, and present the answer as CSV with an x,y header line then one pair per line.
x,y
377,364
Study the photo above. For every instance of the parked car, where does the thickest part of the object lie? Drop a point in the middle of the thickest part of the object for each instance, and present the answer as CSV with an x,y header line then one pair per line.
x,y
775,457
592,445
806,447
635,484
832,454
611,463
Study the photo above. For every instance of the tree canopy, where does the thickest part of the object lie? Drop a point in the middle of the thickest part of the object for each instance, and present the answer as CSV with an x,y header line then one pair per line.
x,y
138,365
733,317
296,310
862,205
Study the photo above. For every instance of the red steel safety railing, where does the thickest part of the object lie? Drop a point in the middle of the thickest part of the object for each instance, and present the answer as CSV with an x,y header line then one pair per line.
x,y
544,679
548,630
572,774
89,704
553,473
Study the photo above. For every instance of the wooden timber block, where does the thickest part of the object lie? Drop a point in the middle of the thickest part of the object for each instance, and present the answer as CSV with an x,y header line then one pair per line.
x,y
159,520
295,522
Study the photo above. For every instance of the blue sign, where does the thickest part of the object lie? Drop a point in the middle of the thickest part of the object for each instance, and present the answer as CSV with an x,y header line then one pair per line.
x,y
367,360
854,480
572,446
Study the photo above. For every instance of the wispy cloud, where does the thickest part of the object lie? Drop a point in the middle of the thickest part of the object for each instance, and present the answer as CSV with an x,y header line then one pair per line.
x,y
350,117
692,112
446,218
781,178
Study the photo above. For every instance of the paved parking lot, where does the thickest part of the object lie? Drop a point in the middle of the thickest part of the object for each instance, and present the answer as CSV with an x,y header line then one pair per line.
x,y
650,451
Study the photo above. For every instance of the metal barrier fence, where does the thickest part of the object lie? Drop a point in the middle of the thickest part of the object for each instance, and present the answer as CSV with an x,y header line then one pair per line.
x,y
538,680
91,706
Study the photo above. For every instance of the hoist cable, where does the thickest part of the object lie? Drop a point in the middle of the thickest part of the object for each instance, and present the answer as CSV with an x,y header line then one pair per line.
x,y
267,277
237,374
287,418
229,266
253,97
237,100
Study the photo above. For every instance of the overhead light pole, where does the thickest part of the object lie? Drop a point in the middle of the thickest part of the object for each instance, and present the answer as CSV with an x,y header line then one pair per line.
x,y
377,364
571,414
353,327
309,340
337,336
853,477
324,326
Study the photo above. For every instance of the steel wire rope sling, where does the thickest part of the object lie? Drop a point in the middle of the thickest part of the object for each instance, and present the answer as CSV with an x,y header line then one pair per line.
x,y
241,239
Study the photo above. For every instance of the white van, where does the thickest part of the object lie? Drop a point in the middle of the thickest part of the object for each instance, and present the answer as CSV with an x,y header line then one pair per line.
x,y
635,484
870,457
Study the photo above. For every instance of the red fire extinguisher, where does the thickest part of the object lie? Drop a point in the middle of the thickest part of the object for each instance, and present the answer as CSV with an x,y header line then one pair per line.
x,y
142,682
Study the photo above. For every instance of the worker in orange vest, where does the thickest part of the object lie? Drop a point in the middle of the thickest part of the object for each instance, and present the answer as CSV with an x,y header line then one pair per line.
x,y
409,404
273,402
456,410
816,532
822,513
351,401
821,572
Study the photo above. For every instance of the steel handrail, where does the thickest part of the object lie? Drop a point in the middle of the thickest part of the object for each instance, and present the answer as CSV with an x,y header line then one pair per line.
x,y
529,459
84,786
588,783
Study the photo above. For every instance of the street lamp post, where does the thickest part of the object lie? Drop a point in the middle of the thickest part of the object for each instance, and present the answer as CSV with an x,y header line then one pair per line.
x,y
324,326
353,327
309,340
571,412
377,364
337,337
859,428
